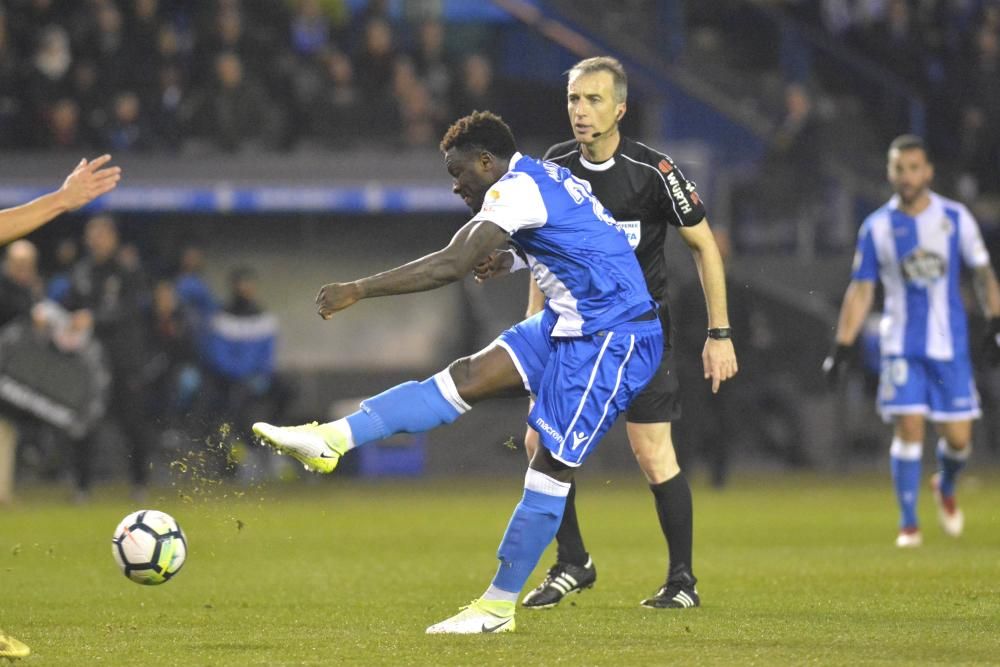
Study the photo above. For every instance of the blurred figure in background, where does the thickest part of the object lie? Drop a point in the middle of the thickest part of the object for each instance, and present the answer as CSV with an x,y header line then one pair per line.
x,y
172,370
112,296
916,245
241,385
20,285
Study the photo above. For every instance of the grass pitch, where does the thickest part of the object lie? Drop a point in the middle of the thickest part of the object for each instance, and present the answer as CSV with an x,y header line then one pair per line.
x,y
793,571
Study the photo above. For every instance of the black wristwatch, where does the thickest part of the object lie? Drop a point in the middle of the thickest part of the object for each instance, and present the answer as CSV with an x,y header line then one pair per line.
x,y
720,333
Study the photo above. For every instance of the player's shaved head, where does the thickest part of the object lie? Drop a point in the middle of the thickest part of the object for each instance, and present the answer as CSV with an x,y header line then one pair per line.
x,y
604,64
482,131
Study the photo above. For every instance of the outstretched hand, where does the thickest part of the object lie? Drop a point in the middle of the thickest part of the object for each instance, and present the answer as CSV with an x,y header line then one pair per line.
x,y
89,181
498,262
336,296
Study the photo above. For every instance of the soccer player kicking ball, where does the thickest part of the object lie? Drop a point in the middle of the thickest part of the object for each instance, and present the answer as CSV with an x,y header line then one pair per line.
x,y
584,357
916,244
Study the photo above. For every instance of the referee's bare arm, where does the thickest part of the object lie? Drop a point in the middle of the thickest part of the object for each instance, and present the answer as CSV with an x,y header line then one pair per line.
x,y
86,183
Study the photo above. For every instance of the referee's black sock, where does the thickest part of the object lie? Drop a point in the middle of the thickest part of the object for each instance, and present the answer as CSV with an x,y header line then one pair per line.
x,y
673,506
568,536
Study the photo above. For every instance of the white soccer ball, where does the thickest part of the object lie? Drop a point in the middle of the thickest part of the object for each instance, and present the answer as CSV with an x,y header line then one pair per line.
x,y
149,547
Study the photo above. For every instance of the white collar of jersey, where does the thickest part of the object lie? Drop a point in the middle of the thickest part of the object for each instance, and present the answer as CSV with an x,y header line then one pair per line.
x,y
894,203
513,159
593,166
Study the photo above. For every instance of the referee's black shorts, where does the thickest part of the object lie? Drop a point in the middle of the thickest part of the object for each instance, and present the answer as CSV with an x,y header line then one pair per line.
x,y
660,400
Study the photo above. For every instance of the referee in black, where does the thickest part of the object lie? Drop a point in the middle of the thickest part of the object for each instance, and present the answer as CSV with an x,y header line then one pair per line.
x,y
646,193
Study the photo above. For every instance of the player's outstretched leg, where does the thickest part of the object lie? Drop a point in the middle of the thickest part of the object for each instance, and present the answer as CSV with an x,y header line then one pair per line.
x,y
411,407
950,463
574,569
11,648
905,461
531,529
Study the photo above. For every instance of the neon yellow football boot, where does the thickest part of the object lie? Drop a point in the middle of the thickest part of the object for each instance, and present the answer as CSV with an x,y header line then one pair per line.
x,y
318,447
11,648
479,617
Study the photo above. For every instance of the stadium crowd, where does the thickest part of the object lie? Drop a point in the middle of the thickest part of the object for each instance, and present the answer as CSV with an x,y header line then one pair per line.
x,y
178,358
227,75
948,52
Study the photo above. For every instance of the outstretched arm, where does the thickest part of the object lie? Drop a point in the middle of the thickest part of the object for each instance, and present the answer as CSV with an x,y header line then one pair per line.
x,y
86,183
470,245
718,356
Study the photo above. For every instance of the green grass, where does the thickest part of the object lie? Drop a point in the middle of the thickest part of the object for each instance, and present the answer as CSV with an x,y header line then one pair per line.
x,y
793,570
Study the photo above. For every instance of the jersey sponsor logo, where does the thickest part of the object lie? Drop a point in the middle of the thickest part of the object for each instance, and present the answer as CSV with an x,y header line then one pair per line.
x,y
665,166
923,267
542,426
633,231
677,192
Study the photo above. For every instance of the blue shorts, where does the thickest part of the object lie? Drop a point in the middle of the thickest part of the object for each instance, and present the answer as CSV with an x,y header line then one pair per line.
x,y
941,390
581,385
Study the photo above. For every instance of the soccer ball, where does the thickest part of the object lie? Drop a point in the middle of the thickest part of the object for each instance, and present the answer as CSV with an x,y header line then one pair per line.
x,y
149,547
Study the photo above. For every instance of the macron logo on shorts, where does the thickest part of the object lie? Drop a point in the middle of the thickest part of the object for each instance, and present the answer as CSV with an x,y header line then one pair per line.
x,y
578,439
542,426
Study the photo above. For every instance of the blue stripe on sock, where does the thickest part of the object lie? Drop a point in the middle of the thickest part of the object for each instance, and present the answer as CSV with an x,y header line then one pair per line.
x,y
411,407
906,480
532,527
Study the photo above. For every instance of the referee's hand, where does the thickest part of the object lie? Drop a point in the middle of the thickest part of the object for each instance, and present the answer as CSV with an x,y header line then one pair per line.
x,y
835,364
719,360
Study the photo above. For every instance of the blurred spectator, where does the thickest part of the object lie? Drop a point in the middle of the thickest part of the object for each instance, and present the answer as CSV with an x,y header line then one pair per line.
x,y
48,77
421,123
332,103
11,94
375,65
233,112
193,292
432,62
980,123
126,130
240,385
310,29
60,281
112,295
62,129
475,90
20,285
172,369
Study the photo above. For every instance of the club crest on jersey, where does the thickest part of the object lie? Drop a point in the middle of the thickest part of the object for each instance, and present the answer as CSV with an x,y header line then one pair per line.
x,y
923,267
633,231
493,194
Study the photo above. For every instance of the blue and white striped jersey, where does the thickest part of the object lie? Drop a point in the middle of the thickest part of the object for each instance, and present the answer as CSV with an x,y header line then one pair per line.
x,y
580,258
919,261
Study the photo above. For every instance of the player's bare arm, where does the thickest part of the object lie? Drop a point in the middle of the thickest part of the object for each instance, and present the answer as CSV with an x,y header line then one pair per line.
x,y
987,288
719,355
88,181
855,308
472,244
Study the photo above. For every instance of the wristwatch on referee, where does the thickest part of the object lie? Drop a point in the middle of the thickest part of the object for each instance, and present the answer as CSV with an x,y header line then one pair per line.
x,y
720,333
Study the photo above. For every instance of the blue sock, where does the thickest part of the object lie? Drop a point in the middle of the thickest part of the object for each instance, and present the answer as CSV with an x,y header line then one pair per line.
x,y
950,463
532,527
411,407
905,462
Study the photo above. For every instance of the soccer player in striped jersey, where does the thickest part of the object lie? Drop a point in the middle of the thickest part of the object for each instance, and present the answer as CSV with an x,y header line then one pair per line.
x,y
916,245
584,357
648,194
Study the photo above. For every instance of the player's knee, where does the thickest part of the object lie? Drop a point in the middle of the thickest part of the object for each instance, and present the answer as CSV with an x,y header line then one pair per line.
x,y
462,375
545,463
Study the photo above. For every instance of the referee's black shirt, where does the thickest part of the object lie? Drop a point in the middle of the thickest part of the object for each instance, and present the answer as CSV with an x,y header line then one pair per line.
x,y
645,191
